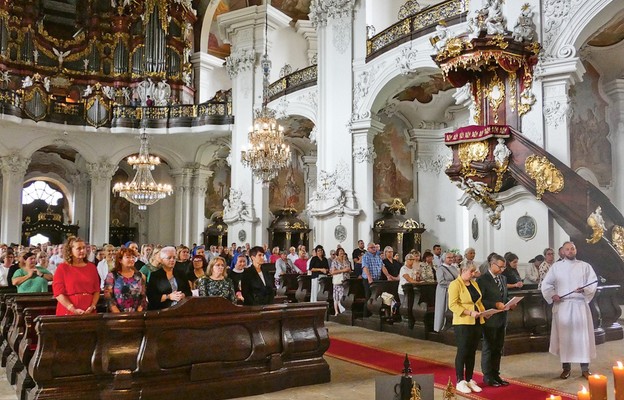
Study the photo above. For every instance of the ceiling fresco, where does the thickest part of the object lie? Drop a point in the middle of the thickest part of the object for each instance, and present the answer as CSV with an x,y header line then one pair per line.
x,y
424,90
610,34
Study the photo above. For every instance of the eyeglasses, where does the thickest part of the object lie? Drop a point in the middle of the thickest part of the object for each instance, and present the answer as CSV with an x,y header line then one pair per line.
x,y
501,266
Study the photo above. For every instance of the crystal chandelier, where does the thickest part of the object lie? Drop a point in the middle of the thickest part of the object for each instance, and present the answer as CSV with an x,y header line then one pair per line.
x,y
266,152
143,190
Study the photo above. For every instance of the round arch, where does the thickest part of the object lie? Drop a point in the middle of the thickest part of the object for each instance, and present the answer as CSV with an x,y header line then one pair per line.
x,y
303,103
170,157
564,40
83,147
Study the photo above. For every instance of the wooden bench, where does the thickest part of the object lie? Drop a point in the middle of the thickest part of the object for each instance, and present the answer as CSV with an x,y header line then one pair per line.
x,y
326,294
380,312
304,288
354,301
289,284
17,328
418,308
7,320
27,346
202,345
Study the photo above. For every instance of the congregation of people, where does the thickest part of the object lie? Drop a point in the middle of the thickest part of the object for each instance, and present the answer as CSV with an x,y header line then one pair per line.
x,y
152,277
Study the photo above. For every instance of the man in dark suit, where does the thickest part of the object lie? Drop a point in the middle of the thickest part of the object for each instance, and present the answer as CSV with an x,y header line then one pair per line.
x,y
493,287
257,285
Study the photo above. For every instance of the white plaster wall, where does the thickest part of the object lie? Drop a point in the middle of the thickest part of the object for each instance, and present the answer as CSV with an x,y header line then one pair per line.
x,y
287,47
160,227
437,195
216,80
382,13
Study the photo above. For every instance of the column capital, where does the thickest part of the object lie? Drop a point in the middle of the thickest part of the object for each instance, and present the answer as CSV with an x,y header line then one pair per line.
x,y
14,164
556,71
101,171
239,61
322,11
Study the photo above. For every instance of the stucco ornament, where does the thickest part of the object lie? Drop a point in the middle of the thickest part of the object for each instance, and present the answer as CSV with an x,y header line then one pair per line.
x,y
239,61
235,209
407,61
14,164
332,194
323,10
363,154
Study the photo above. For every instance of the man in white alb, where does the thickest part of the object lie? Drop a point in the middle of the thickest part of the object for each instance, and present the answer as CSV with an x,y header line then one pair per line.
x,y
572,333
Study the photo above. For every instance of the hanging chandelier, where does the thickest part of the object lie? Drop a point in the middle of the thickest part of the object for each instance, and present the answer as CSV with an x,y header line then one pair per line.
x,y
143,190
266,152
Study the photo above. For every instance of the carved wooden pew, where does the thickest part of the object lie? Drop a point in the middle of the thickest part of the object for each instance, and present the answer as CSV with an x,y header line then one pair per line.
x,y
16,330
326,294
380,313
304,289
353,301
289,286
7,321
200,346
418,308
27,346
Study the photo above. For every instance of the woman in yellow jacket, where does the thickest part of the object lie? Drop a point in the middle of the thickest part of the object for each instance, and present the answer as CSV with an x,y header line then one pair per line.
x,y
465,303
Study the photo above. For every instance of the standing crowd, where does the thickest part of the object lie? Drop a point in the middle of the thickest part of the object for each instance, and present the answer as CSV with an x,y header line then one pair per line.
x,y
133,279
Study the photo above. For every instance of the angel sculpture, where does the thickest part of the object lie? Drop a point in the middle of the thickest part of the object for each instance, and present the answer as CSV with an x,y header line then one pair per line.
x,y
88,91
46,83
597,223
27,82
60,55
5,78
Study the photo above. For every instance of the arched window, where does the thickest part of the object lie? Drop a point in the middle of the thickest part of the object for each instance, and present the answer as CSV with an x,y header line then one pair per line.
x,y
40,190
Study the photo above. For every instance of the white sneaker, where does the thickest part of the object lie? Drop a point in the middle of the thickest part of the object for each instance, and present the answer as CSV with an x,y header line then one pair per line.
x,y
473,386
462,387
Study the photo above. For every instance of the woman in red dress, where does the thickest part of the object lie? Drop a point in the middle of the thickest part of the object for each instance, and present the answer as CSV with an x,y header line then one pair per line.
x,y
76,283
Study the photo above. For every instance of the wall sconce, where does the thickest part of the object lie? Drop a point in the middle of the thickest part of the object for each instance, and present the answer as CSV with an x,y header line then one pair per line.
x,y
440,218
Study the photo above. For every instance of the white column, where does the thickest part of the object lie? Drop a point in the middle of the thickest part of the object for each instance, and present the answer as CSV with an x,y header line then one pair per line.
x,y
13,170
101,175
244,30
364,131
335,206
198,202
557,77
181,192
615,91
204,66
80,209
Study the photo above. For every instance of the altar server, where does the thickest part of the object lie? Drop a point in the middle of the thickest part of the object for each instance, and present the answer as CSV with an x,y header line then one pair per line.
x,y
570,285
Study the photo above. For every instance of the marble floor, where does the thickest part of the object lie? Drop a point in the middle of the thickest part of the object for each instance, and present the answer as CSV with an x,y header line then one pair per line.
x,y
350,381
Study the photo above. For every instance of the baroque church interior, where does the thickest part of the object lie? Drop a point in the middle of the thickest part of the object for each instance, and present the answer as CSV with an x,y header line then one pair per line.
x,y
383,104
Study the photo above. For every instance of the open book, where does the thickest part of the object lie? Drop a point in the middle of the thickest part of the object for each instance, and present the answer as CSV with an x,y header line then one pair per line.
x,y
508,305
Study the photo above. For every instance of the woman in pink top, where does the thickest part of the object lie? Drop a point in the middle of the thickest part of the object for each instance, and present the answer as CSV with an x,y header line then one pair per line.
x,y
302,262
76,283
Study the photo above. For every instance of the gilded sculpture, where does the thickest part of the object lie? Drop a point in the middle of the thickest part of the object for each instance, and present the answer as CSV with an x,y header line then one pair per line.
x,y
617,240
468,152
597,223
547,177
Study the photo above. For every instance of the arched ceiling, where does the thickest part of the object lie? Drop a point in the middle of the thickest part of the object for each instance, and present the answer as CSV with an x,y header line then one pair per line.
x,y
612,33
296,9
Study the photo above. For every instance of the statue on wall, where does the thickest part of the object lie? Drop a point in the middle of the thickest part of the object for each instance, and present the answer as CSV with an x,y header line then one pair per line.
x,y
440,37
235,209
159,92
60,55
525,27
495,22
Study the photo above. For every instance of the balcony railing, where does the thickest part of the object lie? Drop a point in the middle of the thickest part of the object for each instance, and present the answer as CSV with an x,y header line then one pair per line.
x,y
417,25
216,111
291,83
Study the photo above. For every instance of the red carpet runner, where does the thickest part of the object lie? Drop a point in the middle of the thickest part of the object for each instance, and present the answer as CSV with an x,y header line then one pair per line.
x,y
392,363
